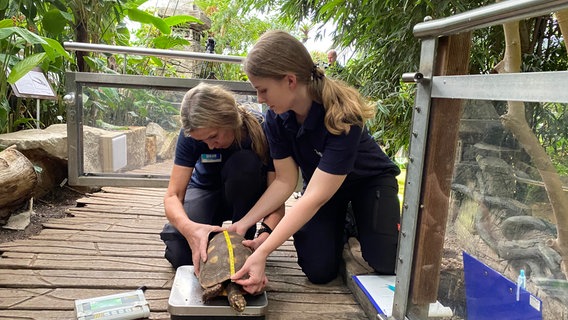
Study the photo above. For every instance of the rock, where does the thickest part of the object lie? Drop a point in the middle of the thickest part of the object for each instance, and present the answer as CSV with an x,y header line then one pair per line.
x,y
47,150
52,140
165,141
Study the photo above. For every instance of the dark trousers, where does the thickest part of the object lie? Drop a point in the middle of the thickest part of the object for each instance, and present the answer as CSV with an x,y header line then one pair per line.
x,y
376,210
243,182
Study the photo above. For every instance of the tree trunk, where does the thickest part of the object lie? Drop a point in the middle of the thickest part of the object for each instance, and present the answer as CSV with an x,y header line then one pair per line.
x,y
562,18
515,121
18,180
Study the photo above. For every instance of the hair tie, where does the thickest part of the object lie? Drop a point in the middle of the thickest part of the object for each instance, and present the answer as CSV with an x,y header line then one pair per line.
x,y
316,74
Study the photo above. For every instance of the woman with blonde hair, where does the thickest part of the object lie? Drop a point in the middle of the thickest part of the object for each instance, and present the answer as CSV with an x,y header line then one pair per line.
x,y
221,168
318,124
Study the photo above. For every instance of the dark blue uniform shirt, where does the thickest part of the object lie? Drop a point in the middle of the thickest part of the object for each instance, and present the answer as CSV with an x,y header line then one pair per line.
x,y
312,146
207,164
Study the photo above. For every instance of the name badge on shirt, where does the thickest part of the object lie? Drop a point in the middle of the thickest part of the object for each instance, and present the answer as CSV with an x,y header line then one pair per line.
x,y
211,157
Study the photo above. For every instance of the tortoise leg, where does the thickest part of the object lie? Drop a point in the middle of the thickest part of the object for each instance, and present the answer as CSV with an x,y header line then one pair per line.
x,y
212,292
235,296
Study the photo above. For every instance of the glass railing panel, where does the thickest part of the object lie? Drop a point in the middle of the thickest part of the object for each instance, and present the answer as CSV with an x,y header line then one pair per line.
x,y
501,220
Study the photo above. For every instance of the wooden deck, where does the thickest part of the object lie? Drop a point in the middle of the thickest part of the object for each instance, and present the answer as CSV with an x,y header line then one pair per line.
x,y
110,243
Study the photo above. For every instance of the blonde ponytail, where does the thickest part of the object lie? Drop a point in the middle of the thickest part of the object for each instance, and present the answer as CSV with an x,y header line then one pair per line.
x,y
255,132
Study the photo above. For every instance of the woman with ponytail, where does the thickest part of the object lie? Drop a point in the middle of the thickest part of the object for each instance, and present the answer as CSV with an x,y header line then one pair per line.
x,y
221,168
317,124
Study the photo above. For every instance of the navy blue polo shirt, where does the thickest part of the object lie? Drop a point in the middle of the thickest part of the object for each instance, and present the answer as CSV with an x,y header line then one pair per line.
x,y
206,163
312,146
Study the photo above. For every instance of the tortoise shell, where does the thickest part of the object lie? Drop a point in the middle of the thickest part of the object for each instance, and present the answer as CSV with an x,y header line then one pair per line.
x,y
217,268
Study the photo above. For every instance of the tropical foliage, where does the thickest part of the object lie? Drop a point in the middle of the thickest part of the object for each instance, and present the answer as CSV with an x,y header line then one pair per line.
x,y
31,36
381,34
378,32
23,50
234,33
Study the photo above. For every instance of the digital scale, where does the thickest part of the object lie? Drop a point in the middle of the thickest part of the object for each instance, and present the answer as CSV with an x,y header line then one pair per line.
x,y
185,301
123,306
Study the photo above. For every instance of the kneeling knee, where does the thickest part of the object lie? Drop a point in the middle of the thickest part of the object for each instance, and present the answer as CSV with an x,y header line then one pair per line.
x,y
320,275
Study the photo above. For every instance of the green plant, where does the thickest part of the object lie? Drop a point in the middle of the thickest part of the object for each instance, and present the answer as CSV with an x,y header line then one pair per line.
x,y
23,51
396,108
31,36
111,108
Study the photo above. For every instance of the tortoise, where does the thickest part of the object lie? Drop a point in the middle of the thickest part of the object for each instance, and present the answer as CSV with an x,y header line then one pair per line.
x,y
215,273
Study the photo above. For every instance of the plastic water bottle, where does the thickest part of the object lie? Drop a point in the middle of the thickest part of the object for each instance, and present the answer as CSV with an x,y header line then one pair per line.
x,y
521,283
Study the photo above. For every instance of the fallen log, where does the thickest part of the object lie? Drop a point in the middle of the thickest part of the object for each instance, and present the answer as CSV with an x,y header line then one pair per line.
x,y
18,180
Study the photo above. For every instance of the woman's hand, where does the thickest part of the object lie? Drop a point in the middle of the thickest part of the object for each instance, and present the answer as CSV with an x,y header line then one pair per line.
x,y
198,240
251,276
256,242
238,227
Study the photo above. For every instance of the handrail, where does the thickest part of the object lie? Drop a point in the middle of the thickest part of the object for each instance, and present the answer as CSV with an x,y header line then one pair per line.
x,y
486,16
90,47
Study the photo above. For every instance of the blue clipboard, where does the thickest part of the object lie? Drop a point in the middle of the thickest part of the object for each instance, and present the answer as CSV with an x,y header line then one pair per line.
x,y
489,295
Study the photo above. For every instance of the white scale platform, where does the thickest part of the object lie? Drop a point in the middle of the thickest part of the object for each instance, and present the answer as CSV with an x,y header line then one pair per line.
x,y
185,301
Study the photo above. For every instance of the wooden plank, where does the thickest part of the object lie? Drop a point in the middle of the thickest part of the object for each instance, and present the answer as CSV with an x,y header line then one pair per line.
x,y
118,210
84,248
326,298
287,248
59,315
284,254
96,279
159,192
125,202
109,207
282,264
37,314
110,225
64,298
277,260
23,260
352,255
281,269
153,200
301,284
300,310
133,214
98,236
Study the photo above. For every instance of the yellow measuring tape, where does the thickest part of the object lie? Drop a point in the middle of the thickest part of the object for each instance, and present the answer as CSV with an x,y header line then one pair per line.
x,y
230,249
